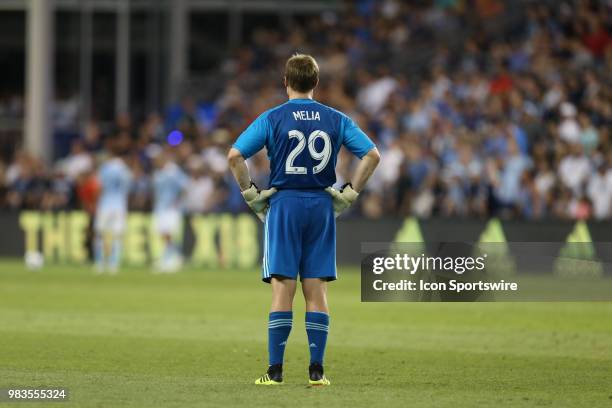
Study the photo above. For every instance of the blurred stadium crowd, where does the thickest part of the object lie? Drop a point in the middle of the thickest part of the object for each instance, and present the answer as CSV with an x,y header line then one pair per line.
x,y
516,124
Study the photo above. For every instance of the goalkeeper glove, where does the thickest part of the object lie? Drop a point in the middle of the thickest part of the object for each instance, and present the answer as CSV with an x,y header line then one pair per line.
x,y
344,198
258,200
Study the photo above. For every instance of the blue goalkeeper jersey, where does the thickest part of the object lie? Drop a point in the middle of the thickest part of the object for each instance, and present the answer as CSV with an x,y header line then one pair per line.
x,y
303,138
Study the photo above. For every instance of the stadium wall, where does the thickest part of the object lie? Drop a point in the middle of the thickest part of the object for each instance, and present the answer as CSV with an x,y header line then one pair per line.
x,y
228,241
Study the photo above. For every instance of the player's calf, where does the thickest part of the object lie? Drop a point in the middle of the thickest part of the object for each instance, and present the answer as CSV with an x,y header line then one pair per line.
x,y
317,327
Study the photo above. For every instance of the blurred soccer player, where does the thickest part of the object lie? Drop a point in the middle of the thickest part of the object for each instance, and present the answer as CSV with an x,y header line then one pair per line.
x,y
115,179
169,183
302,138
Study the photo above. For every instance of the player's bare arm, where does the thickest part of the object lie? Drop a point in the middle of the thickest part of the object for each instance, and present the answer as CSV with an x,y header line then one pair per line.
x,y
365,169
255,199
347,195
239,169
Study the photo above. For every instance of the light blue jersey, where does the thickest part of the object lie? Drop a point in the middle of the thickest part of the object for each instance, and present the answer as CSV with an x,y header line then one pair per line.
x,y
115,180
303,138
168,185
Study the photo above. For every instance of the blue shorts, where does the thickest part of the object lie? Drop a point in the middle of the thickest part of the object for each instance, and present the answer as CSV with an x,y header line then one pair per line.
x,y
300,236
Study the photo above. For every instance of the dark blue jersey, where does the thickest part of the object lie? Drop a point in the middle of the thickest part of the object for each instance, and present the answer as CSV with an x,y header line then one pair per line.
x,y
303,138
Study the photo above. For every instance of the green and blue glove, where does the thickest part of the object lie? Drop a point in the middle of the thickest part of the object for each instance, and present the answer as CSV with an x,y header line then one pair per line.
x,y
343,199
258,200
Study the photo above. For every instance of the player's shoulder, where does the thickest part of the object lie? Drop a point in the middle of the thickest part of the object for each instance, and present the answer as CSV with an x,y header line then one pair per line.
x,y
176,170
108,165
270,112
340,115
119,165
114,162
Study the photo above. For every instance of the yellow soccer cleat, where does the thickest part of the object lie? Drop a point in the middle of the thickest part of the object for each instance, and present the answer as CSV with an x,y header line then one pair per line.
x,y
321,381
274,376
317,377
266,380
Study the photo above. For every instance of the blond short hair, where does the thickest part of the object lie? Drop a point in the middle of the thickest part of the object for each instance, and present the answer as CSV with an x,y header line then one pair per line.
x,y
302,73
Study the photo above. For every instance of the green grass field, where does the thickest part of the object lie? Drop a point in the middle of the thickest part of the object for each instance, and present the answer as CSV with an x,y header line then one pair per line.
x,y
198,338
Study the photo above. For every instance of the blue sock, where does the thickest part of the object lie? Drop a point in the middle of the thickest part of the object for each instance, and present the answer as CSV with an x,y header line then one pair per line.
x,y
317,326
99,251
168,252
115,255
279,327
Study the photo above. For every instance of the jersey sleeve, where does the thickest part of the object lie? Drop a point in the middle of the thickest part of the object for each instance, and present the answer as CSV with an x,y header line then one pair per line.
x,y
354,139
253,139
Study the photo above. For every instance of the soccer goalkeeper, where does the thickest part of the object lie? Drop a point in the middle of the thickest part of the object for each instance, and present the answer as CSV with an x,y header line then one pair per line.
x,y
302,138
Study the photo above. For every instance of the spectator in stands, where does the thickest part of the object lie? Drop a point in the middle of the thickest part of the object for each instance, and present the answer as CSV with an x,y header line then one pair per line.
x,y
477,110
79,161
599,191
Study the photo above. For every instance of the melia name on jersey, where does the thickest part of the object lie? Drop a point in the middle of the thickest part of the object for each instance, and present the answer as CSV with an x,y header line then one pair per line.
x,y
306,115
